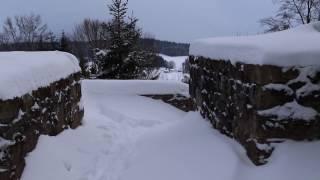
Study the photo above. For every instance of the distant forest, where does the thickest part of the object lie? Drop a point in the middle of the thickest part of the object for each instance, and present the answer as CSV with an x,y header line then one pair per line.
x,y
162,47
166,47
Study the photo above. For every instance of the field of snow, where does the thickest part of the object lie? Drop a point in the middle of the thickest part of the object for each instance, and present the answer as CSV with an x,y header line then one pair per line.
x,y
176,74
128,137
178,60
171,76
18,77
294,47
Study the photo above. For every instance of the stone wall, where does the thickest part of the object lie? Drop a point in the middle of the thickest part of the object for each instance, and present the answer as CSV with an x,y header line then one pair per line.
x,y
46,111
257,105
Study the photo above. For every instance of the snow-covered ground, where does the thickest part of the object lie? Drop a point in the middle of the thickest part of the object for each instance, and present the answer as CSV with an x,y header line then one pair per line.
x,y
175,74
171,76
128,137
178,60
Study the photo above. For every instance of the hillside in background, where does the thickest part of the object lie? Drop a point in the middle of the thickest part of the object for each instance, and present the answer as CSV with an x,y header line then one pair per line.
x,y
166,47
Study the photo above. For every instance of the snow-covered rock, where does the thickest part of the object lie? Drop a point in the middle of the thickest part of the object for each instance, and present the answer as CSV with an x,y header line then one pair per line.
x,y
295,47
24,72
291,110
279,87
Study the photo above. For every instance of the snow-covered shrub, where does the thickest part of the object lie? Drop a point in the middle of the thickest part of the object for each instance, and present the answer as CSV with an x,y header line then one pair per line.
x,y
171,65
139,65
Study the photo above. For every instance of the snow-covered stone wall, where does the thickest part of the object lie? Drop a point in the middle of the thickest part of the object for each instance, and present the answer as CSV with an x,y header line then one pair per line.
x,y
35,102
258,105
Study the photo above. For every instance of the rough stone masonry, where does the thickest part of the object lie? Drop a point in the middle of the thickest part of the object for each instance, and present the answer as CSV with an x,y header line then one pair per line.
x,y
46,111
258,105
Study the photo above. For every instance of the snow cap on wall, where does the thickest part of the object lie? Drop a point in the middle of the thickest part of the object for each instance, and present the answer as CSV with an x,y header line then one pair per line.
x,y
24,72
294,47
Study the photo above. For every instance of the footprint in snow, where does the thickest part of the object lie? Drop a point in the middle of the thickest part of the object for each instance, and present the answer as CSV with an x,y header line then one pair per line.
x,y
103,128
67,166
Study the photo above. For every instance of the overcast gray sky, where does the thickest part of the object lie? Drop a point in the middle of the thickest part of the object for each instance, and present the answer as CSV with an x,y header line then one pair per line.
x,y
176,20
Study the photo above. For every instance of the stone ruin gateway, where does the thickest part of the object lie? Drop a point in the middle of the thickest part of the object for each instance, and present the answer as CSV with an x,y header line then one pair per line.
x,y
260,90
40,94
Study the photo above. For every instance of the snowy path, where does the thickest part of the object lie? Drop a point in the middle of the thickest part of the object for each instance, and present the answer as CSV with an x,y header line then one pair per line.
x,y
129,137
102,147
188,150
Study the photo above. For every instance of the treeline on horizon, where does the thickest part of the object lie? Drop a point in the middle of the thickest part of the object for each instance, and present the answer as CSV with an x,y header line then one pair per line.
x,y
162,47
112,49
168,48
29,33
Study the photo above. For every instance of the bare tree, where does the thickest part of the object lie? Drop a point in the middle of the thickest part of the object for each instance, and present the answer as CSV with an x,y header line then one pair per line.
x,y
278,23
292,13
93,32
89,37
31,28
26,31
10,30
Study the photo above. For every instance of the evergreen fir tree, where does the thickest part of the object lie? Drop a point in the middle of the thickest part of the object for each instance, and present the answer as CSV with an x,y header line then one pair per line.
x,y
125,60
124,36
